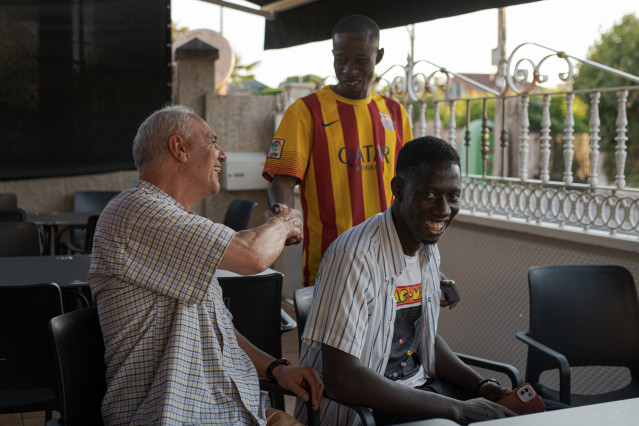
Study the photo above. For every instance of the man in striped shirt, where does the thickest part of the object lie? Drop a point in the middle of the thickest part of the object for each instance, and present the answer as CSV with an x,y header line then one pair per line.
x,y
340,144
372,325
172,354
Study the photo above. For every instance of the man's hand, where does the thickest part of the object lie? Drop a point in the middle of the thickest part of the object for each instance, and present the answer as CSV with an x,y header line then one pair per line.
x,y
299,380
443,303
493,391
290,216
479,409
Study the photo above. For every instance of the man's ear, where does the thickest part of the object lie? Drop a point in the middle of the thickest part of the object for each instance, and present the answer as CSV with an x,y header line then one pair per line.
x,y
380,55
397,187
178,148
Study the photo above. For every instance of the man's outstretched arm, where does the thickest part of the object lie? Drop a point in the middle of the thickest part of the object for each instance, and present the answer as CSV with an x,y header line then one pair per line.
x,y
253,250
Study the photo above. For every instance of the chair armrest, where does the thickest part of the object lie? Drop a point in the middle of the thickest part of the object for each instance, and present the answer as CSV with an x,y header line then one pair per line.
x,y
511,371
288,323
562,363
269,386
59,237
72,248
84,301
365,414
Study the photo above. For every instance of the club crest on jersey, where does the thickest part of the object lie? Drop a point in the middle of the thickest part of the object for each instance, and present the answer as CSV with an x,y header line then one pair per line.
x,y
387,121
275,151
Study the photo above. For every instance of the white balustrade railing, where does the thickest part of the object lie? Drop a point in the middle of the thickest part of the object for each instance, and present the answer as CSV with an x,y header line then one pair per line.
x,y
504,185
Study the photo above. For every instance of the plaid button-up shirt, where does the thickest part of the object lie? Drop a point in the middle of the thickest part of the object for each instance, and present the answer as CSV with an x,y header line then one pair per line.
x,y
171,353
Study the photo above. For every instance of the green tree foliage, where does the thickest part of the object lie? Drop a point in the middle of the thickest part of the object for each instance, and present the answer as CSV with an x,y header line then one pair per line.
x,y
242,72
177,31
619,49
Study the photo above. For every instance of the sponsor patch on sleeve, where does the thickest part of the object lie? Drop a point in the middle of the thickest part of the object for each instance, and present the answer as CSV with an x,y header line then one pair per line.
x,y
275,151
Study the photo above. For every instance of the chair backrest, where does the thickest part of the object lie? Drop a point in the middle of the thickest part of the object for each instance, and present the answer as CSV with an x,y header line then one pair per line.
x,y
26,355
88,238
8,201
238,214
255,302
19,239
14,214
79,352
589,313
92,201
302,299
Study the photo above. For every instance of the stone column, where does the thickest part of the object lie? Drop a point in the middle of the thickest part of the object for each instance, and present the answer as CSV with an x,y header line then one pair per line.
x,y
195,74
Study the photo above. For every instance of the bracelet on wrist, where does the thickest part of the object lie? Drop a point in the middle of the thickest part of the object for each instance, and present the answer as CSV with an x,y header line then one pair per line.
x,y
271,367
483,382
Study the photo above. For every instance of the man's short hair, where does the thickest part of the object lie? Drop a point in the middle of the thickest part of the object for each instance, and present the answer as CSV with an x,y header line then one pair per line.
x,y
150,142
424,150
357,24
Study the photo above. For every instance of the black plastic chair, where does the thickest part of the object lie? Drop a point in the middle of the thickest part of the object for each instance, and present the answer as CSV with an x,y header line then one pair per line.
x,y
14,214
88,237
27,369
19,239
84,202
238,214
582,315
255,301
79,354
8,201
302,299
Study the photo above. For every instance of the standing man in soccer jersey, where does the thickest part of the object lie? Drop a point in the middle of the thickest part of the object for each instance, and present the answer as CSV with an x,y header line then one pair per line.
x,y
340,144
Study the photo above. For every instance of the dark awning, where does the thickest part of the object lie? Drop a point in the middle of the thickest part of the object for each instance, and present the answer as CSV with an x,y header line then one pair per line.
x,y
312,21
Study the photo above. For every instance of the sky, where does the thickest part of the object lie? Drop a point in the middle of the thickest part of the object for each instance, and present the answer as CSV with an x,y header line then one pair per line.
x,y
461,44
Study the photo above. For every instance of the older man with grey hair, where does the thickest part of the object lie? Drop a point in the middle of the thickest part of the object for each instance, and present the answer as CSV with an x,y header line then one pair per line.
x,y
172,353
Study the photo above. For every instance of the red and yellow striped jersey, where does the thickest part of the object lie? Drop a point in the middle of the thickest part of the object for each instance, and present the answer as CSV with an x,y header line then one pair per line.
x,y
343,151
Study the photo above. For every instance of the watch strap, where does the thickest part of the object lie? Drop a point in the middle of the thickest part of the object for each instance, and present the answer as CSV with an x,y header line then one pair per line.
x,y
269,369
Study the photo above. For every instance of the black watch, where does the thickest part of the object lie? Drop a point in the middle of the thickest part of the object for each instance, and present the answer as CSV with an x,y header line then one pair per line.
x,y
269,369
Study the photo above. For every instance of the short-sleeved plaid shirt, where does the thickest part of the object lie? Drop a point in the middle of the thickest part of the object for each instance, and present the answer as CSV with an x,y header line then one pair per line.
x,y
171,353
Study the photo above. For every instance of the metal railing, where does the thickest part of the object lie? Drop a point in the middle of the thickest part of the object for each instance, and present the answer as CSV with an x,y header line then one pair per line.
x,y
513,171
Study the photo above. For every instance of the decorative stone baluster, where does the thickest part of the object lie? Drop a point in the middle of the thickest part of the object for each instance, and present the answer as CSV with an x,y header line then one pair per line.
x,y
485,139
593,155
523,139
467,137
621,138
409,111
452,139
421,126
569,149
544,148
504,139
437,123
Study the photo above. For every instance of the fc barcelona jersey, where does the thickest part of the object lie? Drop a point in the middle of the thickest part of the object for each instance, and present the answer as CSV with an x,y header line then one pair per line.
x,y
343,151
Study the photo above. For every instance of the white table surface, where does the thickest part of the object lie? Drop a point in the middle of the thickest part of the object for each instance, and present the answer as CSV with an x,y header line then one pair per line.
x,y
616,413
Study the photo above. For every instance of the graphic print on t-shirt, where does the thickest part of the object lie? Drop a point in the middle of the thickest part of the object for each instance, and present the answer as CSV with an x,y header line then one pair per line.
x,y
403,362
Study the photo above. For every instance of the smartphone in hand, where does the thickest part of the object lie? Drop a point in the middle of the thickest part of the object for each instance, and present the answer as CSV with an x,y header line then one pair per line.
x,y
449,291
523,400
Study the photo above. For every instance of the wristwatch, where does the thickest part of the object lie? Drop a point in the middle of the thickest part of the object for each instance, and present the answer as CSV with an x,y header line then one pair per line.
x,y
269,369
